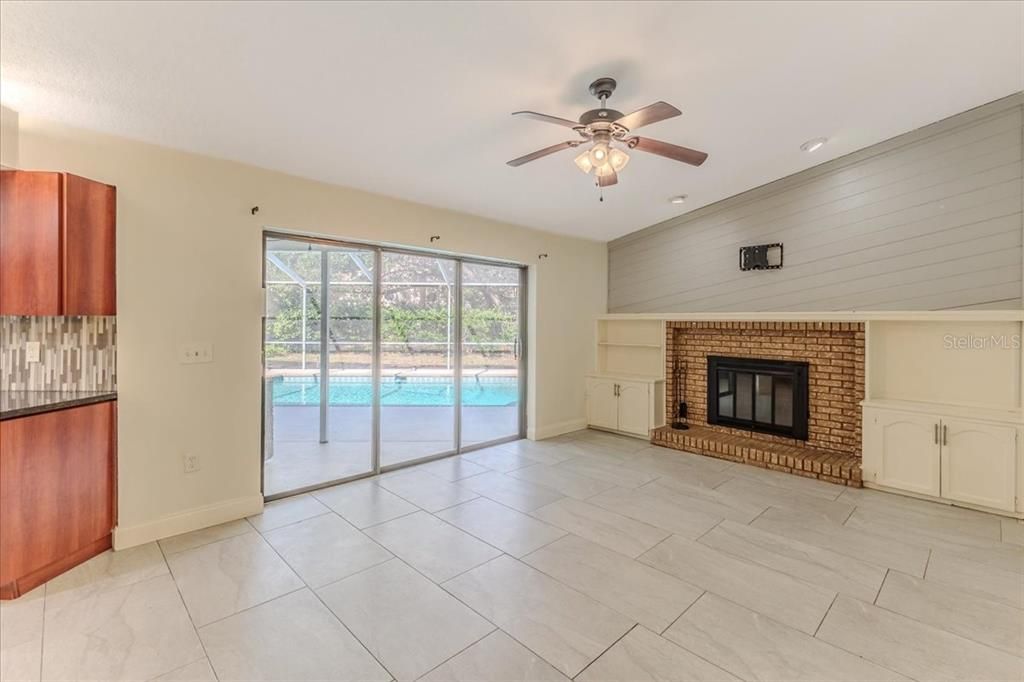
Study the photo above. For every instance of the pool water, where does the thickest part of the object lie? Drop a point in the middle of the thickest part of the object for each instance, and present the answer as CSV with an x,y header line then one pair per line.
x,y
495,391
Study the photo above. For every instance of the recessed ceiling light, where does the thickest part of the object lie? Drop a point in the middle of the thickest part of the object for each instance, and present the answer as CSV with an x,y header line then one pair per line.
x,y
678,199
814,145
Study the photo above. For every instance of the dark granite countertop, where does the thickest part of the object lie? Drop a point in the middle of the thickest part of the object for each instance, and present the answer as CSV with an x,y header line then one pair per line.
x,y
25,403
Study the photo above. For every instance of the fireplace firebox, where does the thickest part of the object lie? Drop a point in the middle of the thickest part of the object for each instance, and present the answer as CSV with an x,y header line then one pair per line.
x,y
769,396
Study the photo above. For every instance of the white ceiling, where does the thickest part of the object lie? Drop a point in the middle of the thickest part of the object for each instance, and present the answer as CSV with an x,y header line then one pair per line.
x,y
413,100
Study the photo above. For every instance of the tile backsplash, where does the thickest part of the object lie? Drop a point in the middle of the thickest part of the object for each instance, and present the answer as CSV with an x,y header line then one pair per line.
x,y
77,353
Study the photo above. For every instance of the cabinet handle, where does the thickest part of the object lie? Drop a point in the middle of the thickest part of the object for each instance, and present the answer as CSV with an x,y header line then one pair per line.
x,y
944,431
616,390
936,434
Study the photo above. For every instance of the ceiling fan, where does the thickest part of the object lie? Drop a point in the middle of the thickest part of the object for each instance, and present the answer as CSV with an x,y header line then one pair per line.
x,y
609,130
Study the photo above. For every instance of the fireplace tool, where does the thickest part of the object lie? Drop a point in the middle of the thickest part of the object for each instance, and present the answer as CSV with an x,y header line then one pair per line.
x,y
678,377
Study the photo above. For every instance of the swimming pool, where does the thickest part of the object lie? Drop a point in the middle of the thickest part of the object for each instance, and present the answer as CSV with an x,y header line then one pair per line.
x,y
418,391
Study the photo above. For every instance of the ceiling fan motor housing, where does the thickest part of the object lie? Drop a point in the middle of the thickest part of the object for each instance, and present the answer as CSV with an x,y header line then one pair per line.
x,y
603,88
600,116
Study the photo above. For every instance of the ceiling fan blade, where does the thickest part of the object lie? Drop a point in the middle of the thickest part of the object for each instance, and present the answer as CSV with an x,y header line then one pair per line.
x,y
669,151
543,152
653,113
548,119
608,179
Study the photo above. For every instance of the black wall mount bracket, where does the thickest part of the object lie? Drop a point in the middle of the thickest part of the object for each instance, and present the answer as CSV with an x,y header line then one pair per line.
x,y
761,257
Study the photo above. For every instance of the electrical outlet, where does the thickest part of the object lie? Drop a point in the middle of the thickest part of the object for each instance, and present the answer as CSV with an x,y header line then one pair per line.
x,y
32,351
191,463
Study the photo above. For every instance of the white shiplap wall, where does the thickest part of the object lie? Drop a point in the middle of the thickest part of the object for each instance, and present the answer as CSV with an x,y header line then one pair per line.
x,y
929,220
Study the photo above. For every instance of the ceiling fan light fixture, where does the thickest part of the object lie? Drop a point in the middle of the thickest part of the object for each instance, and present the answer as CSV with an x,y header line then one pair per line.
x,y
599,154
617,159
583,162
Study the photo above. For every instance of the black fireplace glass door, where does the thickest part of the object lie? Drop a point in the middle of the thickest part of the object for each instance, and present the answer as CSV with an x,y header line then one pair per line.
x,y
726,393
744,396
783,401
763,398
761,395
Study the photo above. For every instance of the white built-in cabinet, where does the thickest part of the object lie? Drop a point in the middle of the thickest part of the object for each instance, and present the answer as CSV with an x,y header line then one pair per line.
x,y
602,403
636,407
979,463
901,450
626,391
623,405
943,410
957,459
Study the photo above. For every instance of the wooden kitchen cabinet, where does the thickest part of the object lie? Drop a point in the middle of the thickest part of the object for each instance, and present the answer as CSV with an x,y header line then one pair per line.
x,y
57,244
57,505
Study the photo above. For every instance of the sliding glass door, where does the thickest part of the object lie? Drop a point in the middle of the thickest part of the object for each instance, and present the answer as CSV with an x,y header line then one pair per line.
x,y
318,356
492,348
362,347
417,362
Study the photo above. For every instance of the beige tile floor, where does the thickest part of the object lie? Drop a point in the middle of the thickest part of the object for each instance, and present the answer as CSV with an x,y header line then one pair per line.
x,y
588,556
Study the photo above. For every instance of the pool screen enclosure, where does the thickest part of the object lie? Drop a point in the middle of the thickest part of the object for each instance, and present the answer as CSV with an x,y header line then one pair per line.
x,y
377,358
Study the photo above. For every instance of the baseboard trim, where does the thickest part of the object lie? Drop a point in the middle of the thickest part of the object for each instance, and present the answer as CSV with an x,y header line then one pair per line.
x,y
189,520
552,430
946,501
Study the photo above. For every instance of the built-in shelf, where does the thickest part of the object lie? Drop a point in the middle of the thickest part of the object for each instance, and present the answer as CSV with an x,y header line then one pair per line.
x,y
630,345
631,348
626,376
947,410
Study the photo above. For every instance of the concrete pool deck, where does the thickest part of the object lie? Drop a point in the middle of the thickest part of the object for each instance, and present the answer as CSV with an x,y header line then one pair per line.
x,y
299,460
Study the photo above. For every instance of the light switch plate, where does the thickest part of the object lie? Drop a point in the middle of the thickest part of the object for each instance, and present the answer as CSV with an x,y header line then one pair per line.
x,y
195,353
32,351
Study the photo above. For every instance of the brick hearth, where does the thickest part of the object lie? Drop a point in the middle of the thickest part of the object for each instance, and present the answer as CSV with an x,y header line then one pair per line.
x,y
835,353
803,461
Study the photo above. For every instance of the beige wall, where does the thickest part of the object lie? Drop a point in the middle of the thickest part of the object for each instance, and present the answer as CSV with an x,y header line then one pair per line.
x,y
188,270
8,137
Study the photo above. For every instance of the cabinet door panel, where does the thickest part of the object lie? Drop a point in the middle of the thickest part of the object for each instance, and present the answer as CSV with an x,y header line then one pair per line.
x,y
602,405
89,236
30,243
56,486
902,451
634,408
979,463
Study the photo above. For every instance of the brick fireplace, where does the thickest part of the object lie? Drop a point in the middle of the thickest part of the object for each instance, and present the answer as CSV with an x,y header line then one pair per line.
x,y
834,353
